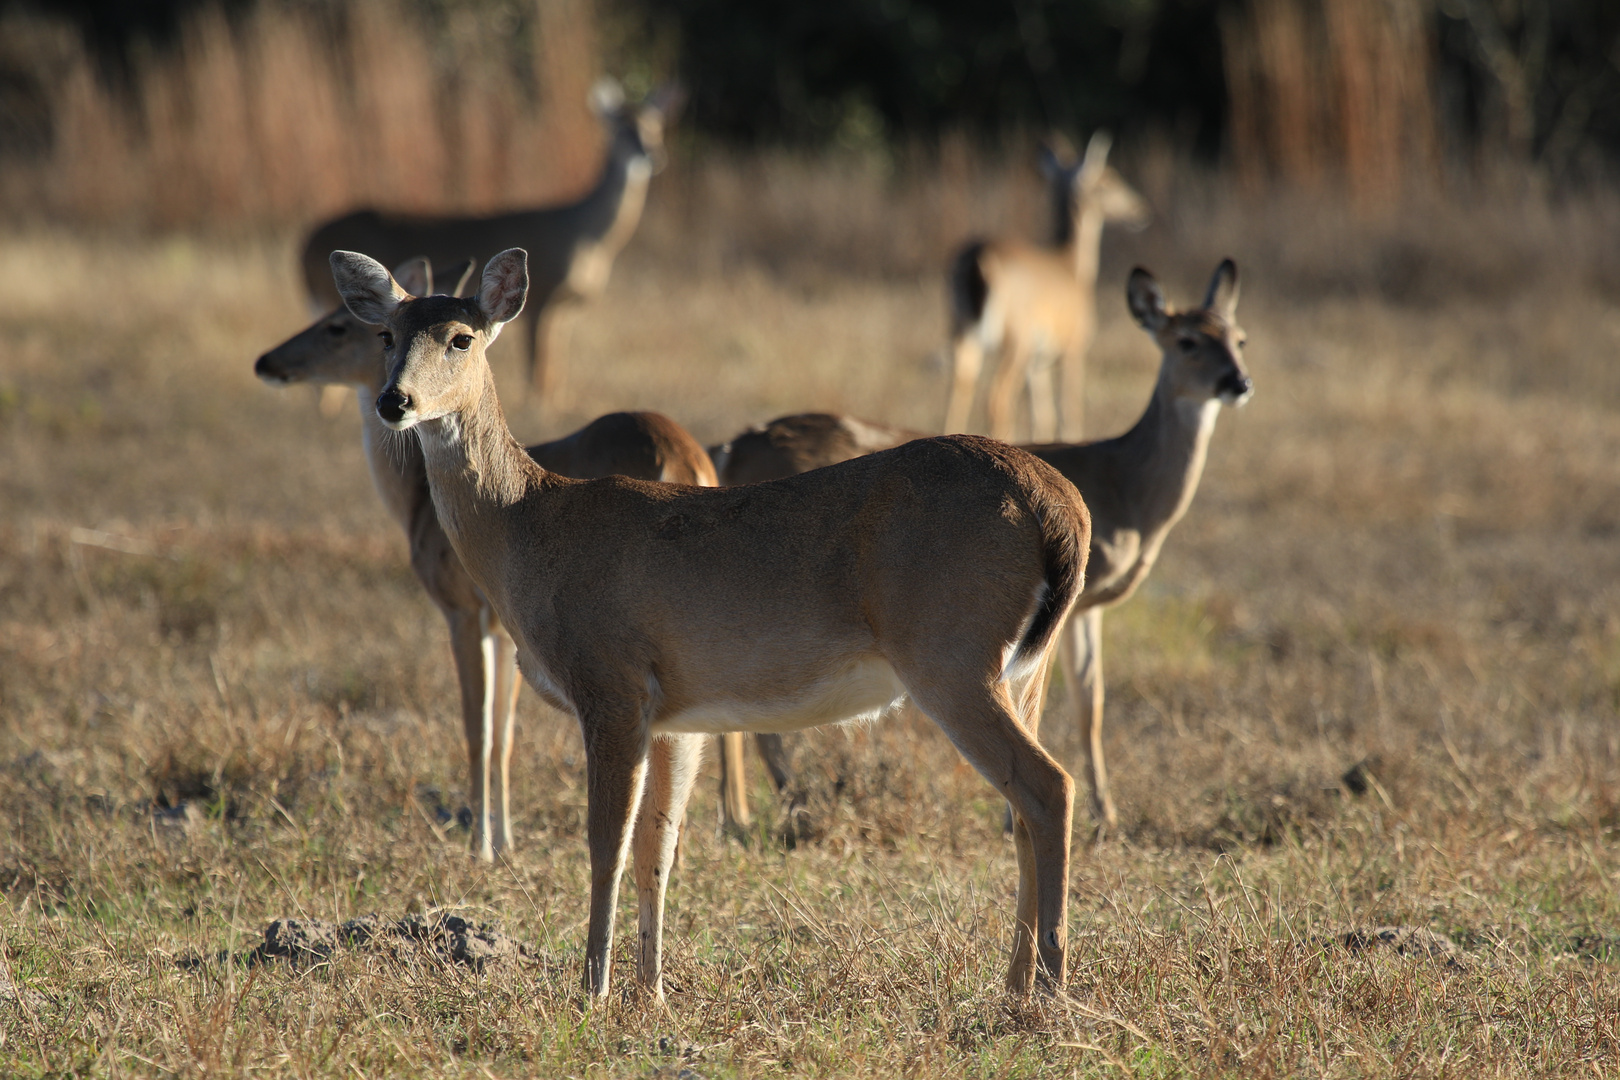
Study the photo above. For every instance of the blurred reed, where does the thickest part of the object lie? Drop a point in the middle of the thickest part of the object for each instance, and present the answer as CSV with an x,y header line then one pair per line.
x,y
1331,92
289,114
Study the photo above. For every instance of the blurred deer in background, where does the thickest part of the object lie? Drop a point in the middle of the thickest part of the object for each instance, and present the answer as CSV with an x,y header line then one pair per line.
x,y
572,246
341,350
1136,485
1037,306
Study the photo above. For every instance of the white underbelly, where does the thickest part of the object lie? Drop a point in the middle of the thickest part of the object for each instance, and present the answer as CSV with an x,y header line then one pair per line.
x,y
862,691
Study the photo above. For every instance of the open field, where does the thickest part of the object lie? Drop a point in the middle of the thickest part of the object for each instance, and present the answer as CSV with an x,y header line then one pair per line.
x,y
224,699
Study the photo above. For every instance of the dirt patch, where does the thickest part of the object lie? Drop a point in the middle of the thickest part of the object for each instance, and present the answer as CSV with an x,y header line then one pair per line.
x,y
438,938
1414,941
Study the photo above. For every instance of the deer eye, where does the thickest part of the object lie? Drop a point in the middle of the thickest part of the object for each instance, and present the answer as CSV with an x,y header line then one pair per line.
x,y
1187,344
387,339
336,329
461,342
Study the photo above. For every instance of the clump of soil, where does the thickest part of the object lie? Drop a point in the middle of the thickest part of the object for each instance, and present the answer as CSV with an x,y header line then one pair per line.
x,y
442,938
1412,941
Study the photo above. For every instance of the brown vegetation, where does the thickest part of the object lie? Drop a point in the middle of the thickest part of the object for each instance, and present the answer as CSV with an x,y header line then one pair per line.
x,y
297,113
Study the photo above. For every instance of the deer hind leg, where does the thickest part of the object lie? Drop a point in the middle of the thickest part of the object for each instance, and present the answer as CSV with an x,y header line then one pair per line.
x,y
967,360
1082,663
673,766
733,783
615,773
1002,406
474,658
1043,415
507,685
778,762
980,720
1072,405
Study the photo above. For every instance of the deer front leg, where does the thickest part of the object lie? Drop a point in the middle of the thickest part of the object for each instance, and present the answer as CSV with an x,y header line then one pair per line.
x,y
673,766
474,670
1082,662
733,783
967,360
1043,414
615,772
504,723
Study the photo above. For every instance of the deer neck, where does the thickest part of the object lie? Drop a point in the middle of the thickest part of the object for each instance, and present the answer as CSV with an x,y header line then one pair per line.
x,y
613,206
395,460
477,473
1085,244
1164,454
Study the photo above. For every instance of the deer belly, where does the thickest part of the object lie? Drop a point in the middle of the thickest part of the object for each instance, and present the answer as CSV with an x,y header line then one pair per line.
x,y
862,691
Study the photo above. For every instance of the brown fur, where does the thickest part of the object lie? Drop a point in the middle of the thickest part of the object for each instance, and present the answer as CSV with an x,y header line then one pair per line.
x,y
790,445
653,610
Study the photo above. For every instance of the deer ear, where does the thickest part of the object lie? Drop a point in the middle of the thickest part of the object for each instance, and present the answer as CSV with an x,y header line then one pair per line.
x,y
607,96
368,290
456,276
1096,159
667,100
415,276
1051,167
1222,297
505,284
1146,300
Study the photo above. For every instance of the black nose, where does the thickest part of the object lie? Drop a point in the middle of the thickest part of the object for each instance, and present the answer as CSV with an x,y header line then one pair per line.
x,y
391,405
1235,386
264,369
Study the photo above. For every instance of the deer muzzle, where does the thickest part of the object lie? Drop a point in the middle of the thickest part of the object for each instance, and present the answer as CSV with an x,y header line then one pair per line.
x,y
393,407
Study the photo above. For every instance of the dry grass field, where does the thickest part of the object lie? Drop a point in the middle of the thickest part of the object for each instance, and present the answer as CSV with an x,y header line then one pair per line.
x,y
224,699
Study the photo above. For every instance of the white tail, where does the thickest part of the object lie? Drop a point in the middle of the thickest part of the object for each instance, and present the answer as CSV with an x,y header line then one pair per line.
x,y
656,612
573,244
341,350
1037,306
1136,485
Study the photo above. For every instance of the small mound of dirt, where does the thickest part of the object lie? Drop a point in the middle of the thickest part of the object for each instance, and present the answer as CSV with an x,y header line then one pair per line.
x,y
1403,941
444,938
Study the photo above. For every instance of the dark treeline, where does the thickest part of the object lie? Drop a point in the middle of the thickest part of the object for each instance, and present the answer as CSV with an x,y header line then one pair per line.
x,y
1289,84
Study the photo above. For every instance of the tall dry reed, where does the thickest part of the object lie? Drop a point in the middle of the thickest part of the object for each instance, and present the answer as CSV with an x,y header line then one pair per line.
x,y
1331,92
284,117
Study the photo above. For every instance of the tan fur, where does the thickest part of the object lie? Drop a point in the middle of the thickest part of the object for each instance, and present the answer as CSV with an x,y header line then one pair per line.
x,y
652,610
340,350
1037,306
1136,485
1139,484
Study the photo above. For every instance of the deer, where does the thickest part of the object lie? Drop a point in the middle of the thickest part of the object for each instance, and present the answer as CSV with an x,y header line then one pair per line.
x,y
340,350
656,613
573,244
1137,485
1037,306
794,444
